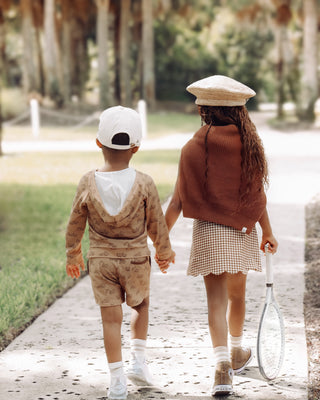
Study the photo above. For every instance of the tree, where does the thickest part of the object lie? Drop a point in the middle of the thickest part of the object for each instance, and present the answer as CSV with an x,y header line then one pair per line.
x,y
38,18
310,60
83,27
29,68
1,71
4,5
283,16
124,54
66,7
51,56
102,43
148,75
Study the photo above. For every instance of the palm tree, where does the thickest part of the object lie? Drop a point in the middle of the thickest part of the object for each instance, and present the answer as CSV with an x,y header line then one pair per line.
x,y
148,76
29,70
51,55
310,59
124,53
67,8
1,71
102,42
4,5
282,19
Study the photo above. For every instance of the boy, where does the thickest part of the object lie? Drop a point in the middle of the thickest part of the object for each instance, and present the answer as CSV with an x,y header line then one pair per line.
x,y
122,208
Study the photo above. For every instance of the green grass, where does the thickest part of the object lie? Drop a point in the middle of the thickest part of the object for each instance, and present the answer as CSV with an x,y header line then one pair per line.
x,y
165,123
36,193
32,271
158,124
13,102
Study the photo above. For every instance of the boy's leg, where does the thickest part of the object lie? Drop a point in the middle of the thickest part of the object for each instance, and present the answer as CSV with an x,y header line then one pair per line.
x,y
138,371
140,320
240,356
111,321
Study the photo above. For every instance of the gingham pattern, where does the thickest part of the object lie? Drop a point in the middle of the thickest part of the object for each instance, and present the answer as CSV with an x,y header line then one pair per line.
x,y
217,248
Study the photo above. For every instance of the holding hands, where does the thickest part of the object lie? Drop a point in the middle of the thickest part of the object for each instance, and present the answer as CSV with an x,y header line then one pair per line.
x,y
164,264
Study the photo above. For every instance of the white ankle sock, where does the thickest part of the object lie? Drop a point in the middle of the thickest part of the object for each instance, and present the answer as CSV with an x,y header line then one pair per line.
x,y
116,368
138,349
235,341
221,354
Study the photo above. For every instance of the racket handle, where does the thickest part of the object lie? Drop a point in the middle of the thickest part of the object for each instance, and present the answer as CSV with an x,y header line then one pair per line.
x,y
269,271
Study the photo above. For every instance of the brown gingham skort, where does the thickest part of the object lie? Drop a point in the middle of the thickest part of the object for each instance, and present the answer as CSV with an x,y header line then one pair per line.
x,y
217,249
115,280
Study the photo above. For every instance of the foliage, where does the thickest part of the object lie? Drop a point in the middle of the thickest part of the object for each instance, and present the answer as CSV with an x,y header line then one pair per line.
x,y
180,59
242,55
193,39
190,50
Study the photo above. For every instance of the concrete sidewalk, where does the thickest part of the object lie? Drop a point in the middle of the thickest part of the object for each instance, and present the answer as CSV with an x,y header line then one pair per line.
x,y
61,355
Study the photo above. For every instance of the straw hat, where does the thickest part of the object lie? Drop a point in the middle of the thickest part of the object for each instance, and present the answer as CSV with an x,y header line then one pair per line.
x,y
120,119
219,90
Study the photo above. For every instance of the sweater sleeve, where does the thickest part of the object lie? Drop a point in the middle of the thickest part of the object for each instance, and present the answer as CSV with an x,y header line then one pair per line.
x,y
76,225
156,224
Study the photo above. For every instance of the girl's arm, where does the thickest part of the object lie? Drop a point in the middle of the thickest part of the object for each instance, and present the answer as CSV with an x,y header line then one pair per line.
x,y
173,210
267,235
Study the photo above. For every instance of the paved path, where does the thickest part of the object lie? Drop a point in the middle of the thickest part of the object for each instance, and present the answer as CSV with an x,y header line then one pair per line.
x,y
61,355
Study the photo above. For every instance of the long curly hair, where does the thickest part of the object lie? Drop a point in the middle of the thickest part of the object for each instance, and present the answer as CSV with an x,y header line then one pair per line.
x,y
254,166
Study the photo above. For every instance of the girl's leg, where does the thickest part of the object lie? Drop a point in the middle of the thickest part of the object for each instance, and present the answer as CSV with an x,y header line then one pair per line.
x,y
111,321
240,356
236,285
217,297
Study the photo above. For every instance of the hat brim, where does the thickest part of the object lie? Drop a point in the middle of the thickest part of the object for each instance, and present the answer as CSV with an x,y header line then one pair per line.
x,y
222,103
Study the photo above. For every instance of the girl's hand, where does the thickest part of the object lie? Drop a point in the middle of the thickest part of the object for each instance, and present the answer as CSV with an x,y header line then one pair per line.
x,y
271,241
164,264
74,271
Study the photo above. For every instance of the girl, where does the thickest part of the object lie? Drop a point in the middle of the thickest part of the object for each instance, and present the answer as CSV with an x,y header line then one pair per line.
x,y
222,174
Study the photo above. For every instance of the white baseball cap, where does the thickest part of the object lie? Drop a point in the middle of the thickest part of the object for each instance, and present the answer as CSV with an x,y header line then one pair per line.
x,y
220,90
119,119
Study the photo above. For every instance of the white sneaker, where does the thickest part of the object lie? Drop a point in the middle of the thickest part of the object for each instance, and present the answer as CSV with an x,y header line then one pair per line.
x,y
139,373
118,388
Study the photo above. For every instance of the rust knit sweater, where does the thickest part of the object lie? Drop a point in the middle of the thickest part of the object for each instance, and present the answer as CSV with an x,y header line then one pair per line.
x,y
216,198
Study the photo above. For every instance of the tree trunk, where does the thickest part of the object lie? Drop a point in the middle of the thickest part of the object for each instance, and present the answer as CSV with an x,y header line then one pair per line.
x,y
41,79
79,70
29,67
280,70
2,41
125,84
102,42
50,53
310,60
148,77
66,49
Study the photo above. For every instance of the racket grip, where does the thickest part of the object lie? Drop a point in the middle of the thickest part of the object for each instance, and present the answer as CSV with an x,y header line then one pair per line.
x,y
269,271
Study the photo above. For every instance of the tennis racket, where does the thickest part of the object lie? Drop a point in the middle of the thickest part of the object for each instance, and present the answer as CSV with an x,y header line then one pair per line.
x,y
271,340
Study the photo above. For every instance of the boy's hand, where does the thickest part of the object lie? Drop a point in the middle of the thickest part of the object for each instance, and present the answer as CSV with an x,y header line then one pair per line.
x,y
74,271
164,264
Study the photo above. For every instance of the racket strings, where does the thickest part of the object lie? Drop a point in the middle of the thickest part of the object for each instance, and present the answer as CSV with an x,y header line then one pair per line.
x,y
271,342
